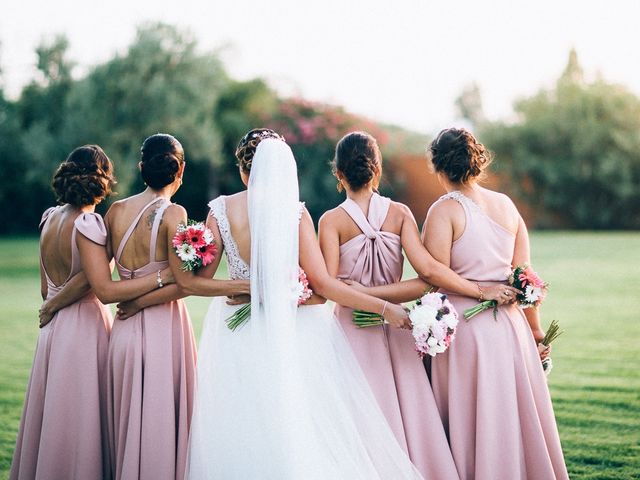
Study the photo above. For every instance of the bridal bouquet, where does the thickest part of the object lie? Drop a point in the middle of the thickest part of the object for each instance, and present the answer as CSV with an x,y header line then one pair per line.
x,y
194,244
553,332
302,292
524,278
434,321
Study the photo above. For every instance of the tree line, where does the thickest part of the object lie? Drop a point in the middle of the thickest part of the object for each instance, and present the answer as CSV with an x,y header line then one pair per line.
x,y
572,154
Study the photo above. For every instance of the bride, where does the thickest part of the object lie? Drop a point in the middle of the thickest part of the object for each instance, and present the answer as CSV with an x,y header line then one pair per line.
x,y
282,397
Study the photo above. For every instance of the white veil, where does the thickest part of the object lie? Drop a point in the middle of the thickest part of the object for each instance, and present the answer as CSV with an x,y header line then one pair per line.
x,y
283,397
274,209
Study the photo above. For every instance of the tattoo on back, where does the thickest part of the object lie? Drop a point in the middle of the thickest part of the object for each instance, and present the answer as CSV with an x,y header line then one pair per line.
x,y
151,217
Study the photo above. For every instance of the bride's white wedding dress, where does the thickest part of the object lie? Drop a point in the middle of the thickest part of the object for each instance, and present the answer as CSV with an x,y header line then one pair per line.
x,y
282,397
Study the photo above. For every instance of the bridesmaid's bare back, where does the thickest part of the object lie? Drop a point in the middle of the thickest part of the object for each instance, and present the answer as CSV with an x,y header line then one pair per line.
x,y
55,243
136,251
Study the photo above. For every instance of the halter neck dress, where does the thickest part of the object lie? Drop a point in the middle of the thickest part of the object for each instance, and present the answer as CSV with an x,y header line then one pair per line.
x,y
386,354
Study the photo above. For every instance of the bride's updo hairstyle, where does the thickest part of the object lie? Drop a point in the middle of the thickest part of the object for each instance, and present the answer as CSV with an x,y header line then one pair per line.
x,y
162,156
246,148
456,153
358,159
84,178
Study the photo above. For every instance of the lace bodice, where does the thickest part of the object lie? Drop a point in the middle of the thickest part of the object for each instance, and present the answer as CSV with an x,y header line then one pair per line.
x,y
238,268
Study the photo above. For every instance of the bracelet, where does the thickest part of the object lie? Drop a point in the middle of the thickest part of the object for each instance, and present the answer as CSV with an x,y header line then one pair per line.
x,y
481,297
159,280
384,308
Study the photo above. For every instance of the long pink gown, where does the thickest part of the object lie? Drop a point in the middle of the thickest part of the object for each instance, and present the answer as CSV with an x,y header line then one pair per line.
x,y
151,368
63,430
387,355
490,387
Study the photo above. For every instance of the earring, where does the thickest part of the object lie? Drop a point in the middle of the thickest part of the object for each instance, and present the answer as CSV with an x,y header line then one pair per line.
x,y
339,187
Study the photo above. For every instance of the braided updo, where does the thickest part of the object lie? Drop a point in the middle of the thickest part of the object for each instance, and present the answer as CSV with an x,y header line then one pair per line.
x,y
162,155
84,178
246,148
456,153
358,158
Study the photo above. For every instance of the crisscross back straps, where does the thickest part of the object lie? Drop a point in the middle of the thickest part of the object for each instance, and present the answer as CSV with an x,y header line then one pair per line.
x,y
154,231
371,224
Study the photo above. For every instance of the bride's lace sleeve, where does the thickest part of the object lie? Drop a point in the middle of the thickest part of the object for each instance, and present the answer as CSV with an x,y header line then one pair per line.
x,y
301,209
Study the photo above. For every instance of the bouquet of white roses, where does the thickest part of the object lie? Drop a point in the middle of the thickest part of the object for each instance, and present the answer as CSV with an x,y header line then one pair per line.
x,y
434,321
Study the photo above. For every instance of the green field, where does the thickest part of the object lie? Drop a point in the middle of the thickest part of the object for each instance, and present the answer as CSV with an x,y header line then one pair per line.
x,y
595,383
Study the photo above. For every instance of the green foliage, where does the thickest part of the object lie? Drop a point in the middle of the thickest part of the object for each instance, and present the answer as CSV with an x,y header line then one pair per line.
x,y
574,153
313,129
241,107
162,83
594,383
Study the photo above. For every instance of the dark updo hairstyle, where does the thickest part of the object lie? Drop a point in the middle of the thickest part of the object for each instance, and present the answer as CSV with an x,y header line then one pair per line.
x,y
162,156
358,158
84,178
246,148
456,153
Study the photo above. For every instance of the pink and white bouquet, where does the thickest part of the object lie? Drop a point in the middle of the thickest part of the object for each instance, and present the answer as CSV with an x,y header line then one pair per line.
x,y
434,321
533,288
302,293
194,244
533,291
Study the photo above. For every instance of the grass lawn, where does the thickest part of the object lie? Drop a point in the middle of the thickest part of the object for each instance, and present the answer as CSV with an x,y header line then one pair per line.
x,y
595,382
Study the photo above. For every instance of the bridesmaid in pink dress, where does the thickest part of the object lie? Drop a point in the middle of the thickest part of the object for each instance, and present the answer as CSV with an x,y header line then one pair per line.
x,y
152,352
362,241
489,386
63,432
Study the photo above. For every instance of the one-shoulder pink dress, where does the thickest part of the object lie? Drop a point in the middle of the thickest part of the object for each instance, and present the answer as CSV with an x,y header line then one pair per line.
x,y
387,355
489,385
151,380
63,430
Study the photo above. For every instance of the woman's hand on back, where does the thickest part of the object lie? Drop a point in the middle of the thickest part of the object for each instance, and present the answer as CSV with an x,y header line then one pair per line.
x,y
502,294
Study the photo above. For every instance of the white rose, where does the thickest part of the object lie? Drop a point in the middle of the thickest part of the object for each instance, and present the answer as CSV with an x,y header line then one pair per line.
x,y
423,315
432,342
450,320
439,348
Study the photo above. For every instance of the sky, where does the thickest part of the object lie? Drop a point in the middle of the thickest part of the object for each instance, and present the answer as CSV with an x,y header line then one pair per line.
x,y
400,61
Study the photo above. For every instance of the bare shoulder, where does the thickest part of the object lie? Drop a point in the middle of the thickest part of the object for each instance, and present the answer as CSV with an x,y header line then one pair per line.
x,y
400,209
175,212
501,200
114,211
236,197
331,217
447,207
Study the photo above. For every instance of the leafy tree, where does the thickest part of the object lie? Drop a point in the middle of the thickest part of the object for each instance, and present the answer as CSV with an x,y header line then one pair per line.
x,y
574,153
241,106
162,84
